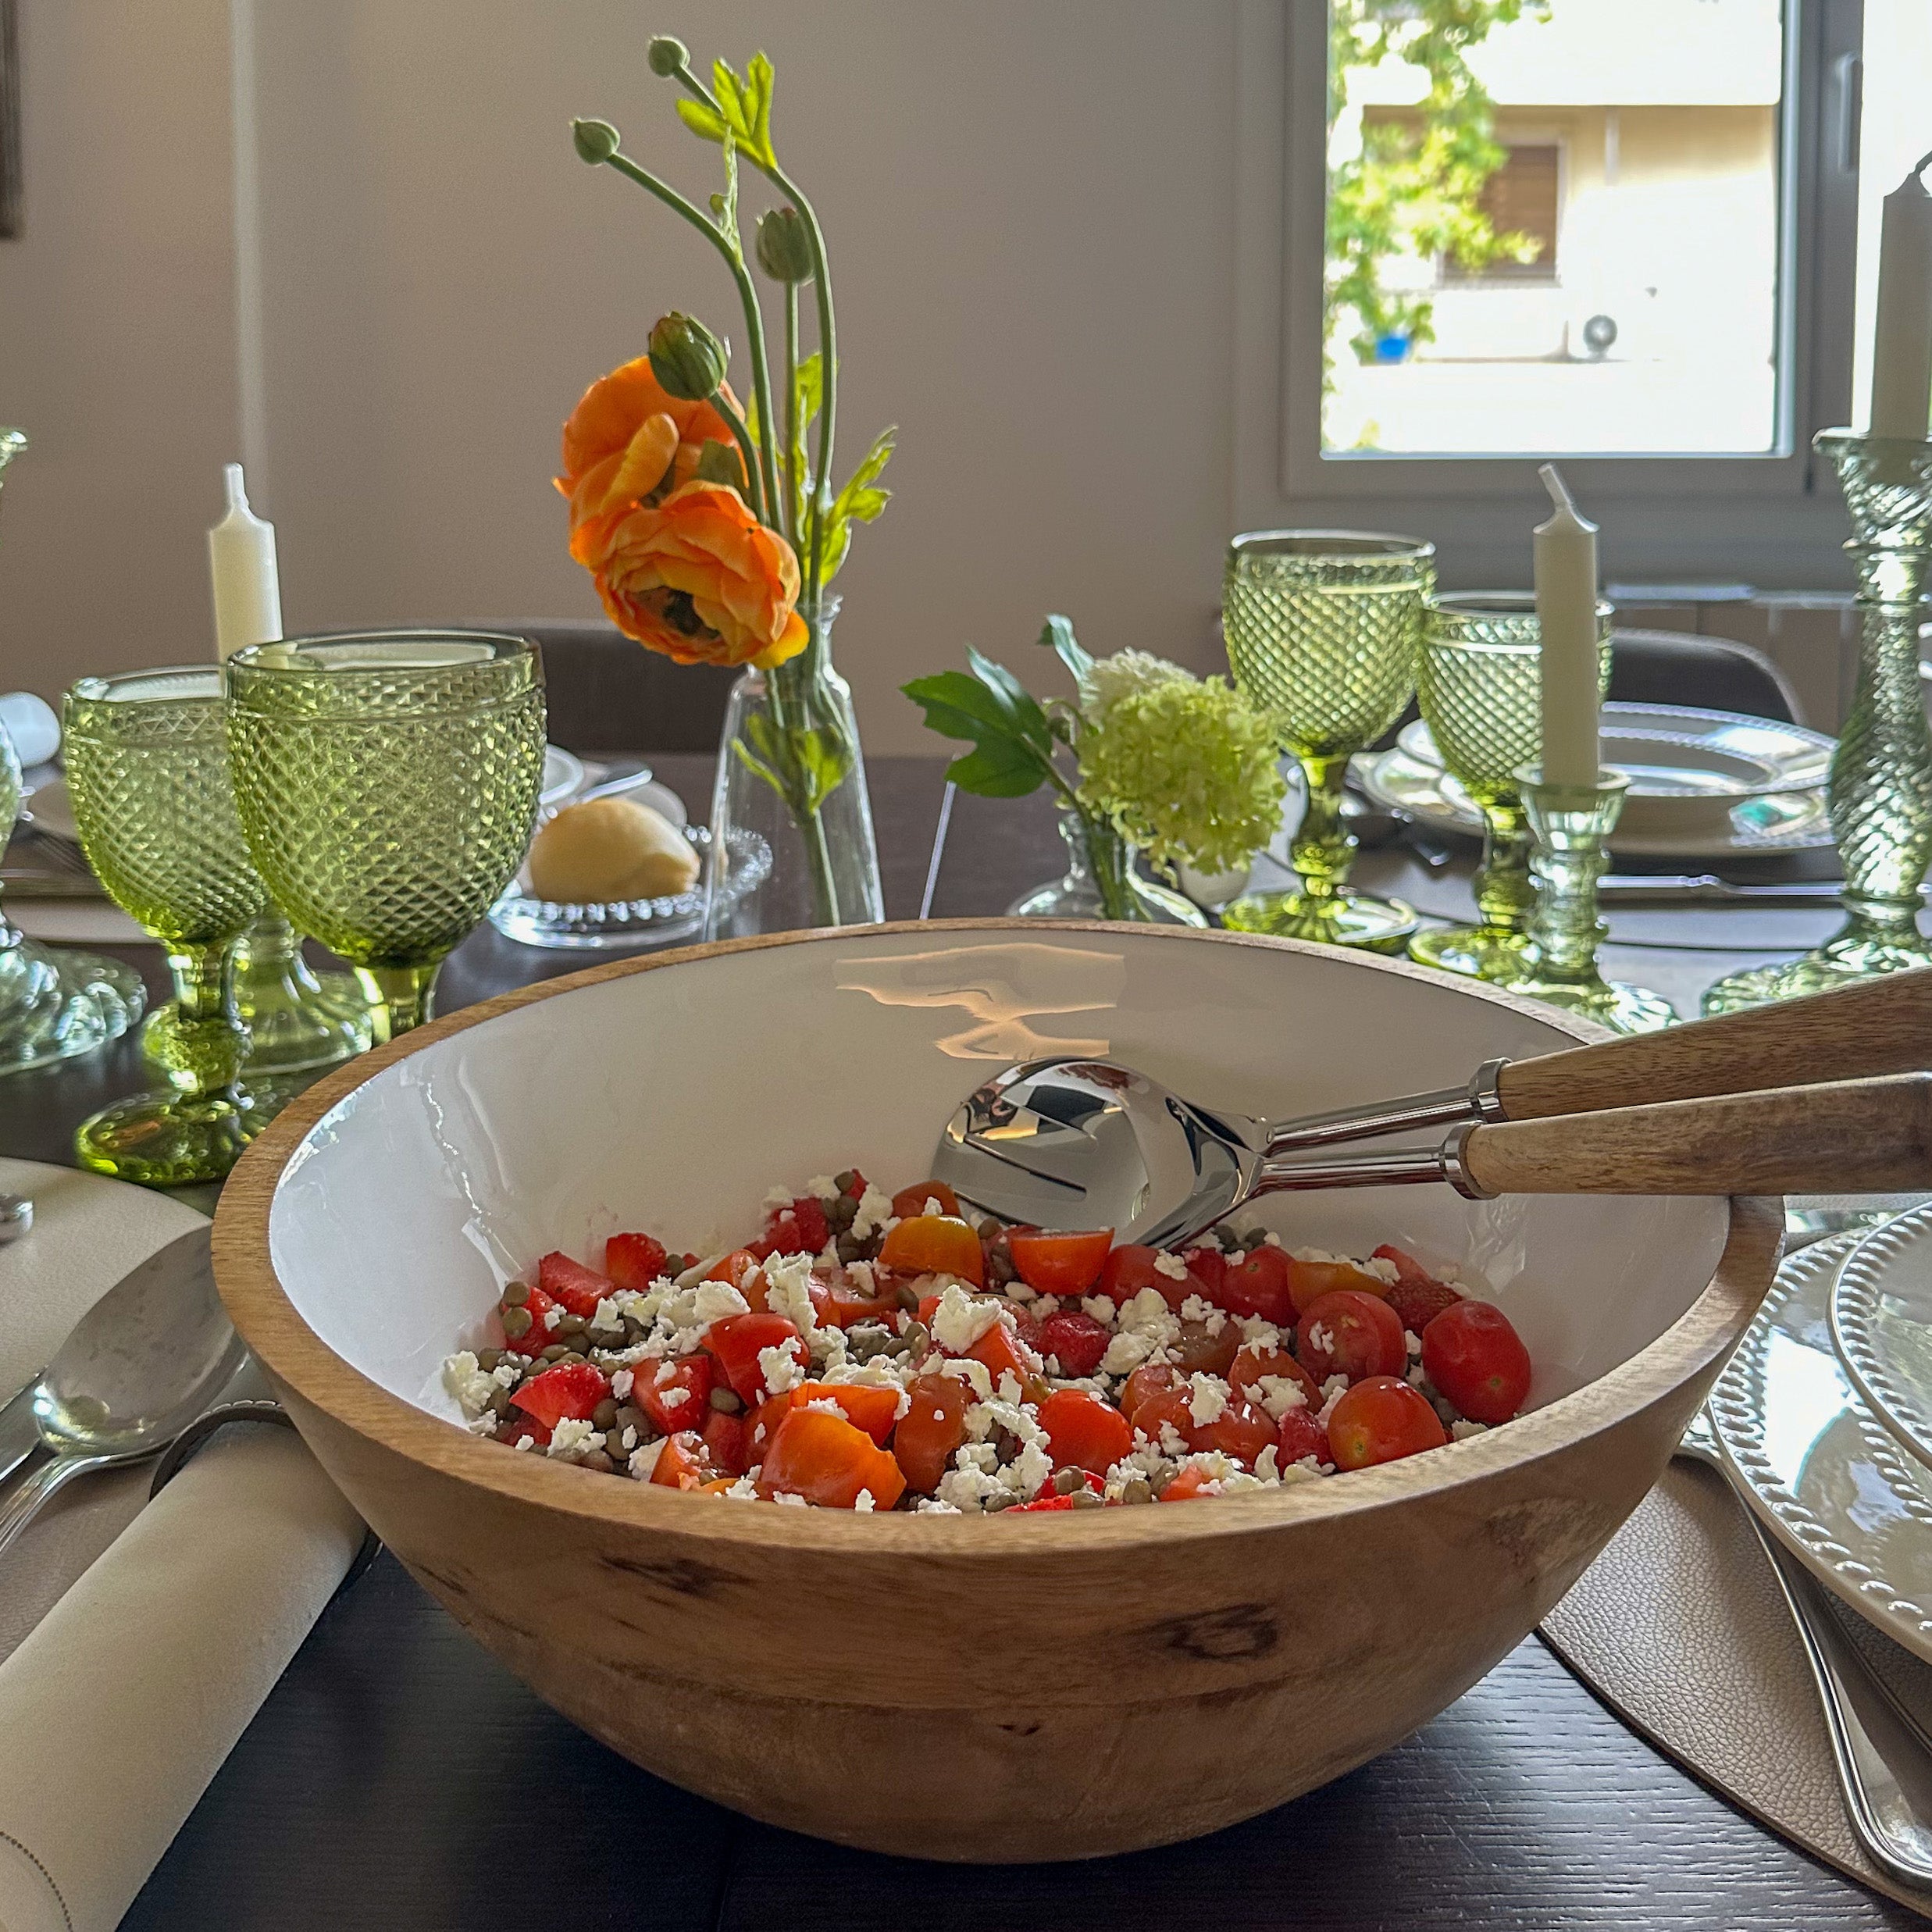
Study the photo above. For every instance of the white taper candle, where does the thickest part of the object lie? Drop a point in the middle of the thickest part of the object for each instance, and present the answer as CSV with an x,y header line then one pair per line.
x,y
1902,344
241,565
1566,620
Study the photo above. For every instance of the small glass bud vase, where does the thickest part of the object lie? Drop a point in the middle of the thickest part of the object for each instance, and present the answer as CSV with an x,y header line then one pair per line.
x,y
1102,882
1571,824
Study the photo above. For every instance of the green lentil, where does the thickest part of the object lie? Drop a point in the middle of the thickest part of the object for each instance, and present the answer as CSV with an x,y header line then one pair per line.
x,y
725,1403
516,1323
604,1414
515,1295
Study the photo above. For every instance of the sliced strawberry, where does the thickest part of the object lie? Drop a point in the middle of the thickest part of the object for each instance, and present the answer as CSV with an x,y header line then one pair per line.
x,y
1418,1303
635,1260
1075,1338
571,1389
579,1288
799,1229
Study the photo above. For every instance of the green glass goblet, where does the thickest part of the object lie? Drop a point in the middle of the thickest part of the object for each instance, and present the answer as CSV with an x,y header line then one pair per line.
x,y
388,783
1480,685
147,757
1323,628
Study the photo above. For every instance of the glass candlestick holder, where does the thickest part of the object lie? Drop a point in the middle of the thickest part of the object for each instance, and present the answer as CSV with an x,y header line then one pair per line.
x,y
1880,787
1572,825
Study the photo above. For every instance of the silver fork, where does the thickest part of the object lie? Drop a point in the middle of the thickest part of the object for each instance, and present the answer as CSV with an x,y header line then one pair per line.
x,y
1894,1831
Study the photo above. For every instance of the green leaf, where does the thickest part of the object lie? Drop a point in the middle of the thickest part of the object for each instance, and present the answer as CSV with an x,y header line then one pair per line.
x,y
996,770
719,463
1056,636
1003,763
859,502
762,80
701,120
1018,705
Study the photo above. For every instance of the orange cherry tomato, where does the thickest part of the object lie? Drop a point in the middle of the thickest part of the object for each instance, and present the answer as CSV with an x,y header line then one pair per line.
x,y
932,1429
1004,1353
826,1460
843,1307
936,1244
738,1341
1084,1432
764,1419
684,1463
1380,1420
732,1268
1252,1365
874,1409
1060,1264
909,1204
1309,1281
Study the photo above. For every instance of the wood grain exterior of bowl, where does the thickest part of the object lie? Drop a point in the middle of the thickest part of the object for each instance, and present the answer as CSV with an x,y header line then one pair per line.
x,y
996,1688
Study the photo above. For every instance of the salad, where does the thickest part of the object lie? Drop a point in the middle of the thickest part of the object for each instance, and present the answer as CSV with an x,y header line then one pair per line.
x,y
871,1351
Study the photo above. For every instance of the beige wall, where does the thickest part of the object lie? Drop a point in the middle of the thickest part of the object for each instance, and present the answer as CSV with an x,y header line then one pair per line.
x,y
116,337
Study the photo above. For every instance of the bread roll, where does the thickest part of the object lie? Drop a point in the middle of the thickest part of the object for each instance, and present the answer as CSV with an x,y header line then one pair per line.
x,y
610,848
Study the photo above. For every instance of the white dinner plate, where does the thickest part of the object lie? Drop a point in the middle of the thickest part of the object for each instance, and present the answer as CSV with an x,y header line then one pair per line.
x,y
1881,1318
563,775
1759,828
1824,1474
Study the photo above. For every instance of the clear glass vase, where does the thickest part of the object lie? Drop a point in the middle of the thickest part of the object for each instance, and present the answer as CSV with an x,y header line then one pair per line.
x,y
791,840
1102,882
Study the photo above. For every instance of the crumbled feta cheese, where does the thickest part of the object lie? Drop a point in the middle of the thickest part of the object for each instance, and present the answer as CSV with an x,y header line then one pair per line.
x,y
1461,1429
822,1187
622,1383
552,1318
1319,1336
1412,1341
1194,1308
1382,1267
717,1301
875,1209
1271,1239
1127,1351
862,1504
1171,1265
779,1368
1101,1308
791,1496
1019,1291
859,1275
673,1398
744,1490
825,1405
1280,1393
524,1441
977,1373
788,1290
961,1319
1332,1391
628,1440
572,1438
777,1199
933,1206
1208,1401
1266,1464
469,1383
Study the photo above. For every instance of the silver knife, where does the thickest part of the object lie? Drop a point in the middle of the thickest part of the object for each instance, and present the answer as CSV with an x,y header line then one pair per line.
x,y
1706,888
20,1434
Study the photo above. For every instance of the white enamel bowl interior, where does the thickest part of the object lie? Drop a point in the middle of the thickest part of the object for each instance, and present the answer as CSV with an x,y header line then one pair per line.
x,y
672,1099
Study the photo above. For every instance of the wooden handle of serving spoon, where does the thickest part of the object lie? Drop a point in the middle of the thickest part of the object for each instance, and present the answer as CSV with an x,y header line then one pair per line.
x,y
1882,1026
1845,1137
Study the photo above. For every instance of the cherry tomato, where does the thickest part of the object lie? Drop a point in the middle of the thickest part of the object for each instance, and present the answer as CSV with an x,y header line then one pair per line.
x,y
801,1228
1201,1349
737,1341
571,1389
932,1429
1348,1333
1476,1357
634,1260
863,1405
1084,1431
1381,1419
1131,1268
1309,1281
1241,1432
824,1458
1208,1269
1004,1354
1060,1264
909,1203
684,1463
844,1306
1075,1340
578,1287
676,1392
936,1244
1151,1379
765,1421
1301,1435
1259,1284
1408,1269
727,1439
1251,1366
1166,1408
732,1269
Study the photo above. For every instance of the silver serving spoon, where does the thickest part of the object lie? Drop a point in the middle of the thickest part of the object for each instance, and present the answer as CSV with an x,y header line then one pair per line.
x,y
140,1366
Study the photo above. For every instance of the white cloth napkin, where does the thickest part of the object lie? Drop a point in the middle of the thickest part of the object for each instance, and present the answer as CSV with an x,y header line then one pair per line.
x,y
124,1701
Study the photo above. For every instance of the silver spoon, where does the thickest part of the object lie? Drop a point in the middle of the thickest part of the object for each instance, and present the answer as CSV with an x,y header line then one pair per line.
x,y
17,1217
140,1366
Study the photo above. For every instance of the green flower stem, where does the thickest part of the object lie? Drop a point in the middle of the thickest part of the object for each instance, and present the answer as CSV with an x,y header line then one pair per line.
x,y
727,246
791,414
810,823
749,450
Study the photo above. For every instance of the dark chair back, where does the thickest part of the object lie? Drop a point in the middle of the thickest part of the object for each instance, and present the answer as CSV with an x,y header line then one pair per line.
x,y
1664,667
607,693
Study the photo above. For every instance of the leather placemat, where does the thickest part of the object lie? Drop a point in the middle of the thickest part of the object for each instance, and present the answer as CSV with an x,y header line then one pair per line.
x,y
1680,1628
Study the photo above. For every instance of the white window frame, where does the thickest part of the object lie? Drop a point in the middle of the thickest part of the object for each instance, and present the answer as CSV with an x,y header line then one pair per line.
x,y
1774,520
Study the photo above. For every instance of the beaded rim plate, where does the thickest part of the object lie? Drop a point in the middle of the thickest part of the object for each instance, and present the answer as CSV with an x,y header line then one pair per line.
x,y
1881,1319
1824,1475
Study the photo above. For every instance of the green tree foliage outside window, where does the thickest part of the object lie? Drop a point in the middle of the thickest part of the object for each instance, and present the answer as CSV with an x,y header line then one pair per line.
x,y
1416,188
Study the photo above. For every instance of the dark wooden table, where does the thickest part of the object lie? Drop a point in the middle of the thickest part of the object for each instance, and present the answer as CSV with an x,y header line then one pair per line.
x,y
398,1778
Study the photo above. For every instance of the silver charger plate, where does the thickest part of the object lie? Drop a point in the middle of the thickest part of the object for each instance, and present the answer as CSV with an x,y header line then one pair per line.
x,y
1882,1319
1824,1475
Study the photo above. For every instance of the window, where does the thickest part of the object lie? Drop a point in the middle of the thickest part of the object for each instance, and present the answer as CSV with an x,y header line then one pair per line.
x,y
1524,196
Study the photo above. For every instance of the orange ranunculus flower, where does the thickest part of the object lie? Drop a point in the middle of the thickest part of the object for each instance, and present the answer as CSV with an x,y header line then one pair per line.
x,y
700,579
625,438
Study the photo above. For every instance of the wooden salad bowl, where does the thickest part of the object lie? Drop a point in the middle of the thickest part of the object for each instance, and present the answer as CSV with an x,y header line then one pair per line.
x,y
994,1689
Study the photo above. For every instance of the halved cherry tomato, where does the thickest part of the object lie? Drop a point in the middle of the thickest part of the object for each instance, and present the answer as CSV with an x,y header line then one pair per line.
x,y
863,1405
1004,1353
635,1260
1253,1366
571,1389
801,1228
1060,1264
737,1342
936,1244
1040,1503
1473,1354
540,1334
732,1269
1300,1436
676,1392
579,1288
1203,1348
1381,1419
684,1463
1150,1379
727,1439
1074,1340
1348,1333
909,1204
824,1458
932,1429
1309,1281
1167,1407
1128,1269
522,1427
765,1421
1241,1432
1082,1430
1258,1284
1209,1268
1407,1268
845,1306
